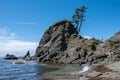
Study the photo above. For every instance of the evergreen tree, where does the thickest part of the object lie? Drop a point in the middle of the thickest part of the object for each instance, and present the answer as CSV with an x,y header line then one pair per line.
x,y
78,17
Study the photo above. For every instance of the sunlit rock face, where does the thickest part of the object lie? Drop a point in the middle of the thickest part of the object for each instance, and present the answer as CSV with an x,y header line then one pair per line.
x,y
61,44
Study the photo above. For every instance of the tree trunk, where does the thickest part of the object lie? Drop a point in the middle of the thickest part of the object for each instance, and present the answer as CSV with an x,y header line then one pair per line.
x,y
80,26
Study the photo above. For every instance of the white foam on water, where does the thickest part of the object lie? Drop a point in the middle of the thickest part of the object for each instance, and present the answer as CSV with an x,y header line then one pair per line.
x,y
13,63
85,68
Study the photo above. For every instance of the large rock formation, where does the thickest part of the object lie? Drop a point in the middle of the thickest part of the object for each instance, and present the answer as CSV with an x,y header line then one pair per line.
x,y
55,42
61,44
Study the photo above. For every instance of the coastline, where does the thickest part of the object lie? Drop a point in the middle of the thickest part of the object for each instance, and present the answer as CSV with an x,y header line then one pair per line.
x,y
108,71
66,72
102,71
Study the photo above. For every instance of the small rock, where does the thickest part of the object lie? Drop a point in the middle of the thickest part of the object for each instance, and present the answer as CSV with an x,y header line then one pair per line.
x,y
20,62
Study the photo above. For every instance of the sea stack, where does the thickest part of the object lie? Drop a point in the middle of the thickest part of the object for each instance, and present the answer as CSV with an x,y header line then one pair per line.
x,y
10,57
62,44
27,56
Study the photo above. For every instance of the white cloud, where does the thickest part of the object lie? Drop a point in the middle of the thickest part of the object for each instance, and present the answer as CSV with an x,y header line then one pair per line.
x,y
9,43
88,37
17,47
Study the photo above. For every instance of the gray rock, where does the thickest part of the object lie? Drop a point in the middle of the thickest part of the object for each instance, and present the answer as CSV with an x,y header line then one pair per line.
x,y
27,56
10,57
19,62
61,43
116,37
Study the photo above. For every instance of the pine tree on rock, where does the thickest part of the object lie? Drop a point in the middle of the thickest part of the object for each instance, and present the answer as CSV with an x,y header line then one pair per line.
x,y
78,17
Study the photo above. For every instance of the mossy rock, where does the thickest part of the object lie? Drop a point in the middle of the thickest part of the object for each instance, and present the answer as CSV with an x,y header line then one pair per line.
x,y
49,29
62,22
94,42
110,44
119,44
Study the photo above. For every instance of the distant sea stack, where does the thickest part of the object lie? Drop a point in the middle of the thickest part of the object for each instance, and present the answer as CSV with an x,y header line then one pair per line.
x,y
10,57
61,44
27,56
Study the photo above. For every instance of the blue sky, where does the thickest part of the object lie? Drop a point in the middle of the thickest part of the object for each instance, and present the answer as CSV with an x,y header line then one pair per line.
x,y
24,21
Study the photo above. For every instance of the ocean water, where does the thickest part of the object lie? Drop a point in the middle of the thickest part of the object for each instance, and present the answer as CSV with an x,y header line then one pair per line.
x,y
28,71
33,71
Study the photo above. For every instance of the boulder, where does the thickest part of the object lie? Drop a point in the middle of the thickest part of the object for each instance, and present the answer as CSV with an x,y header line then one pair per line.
x,y
10,57
19,62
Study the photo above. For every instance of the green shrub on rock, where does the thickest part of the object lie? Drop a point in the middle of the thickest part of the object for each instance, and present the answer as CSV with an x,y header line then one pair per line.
x,y
119,44
93,42
109,44
50,28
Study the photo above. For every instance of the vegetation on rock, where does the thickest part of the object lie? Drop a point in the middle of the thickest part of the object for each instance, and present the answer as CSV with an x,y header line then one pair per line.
x,y
78,17
94,42
61,43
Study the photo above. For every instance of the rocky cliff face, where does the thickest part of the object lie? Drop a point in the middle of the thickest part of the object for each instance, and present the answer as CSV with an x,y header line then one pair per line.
x,y
61,44
55,41
112,45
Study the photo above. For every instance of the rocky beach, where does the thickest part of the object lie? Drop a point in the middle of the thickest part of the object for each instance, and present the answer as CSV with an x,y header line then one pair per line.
x,y
59,40
106,71
61,45
65,55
